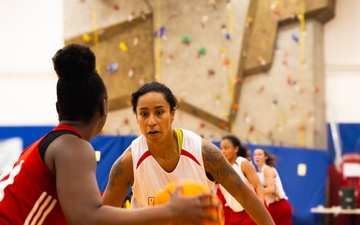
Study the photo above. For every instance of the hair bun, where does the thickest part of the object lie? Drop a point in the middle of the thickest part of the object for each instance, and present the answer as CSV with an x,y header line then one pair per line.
x,y
74,61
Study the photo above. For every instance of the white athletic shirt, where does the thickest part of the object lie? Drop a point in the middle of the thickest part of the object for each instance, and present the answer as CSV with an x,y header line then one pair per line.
x,y
230,200
279,190
150,177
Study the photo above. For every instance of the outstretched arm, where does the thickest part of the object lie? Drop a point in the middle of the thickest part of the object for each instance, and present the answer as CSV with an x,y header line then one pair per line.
x,y
221,170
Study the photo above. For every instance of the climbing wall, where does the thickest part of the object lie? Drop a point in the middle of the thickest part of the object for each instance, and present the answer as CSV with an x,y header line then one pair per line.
x,y
251,68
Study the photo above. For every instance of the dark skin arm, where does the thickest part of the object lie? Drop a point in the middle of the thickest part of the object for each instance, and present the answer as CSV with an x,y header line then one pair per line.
x,y
72,161
218,166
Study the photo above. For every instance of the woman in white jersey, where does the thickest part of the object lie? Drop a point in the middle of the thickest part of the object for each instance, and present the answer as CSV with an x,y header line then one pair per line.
x,y
162,155
275,197
236,154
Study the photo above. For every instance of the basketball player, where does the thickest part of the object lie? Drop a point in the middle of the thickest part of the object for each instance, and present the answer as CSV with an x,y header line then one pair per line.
x,y
163,154
275,197
236,154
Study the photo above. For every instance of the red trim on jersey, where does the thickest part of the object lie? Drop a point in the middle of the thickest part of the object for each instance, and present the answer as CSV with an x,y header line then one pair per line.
x,y
183,152
67,127
188,154
143,157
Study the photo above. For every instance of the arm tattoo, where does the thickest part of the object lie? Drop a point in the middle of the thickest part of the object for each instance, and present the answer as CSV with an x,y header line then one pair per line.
x,y
220,169
217,165
116,172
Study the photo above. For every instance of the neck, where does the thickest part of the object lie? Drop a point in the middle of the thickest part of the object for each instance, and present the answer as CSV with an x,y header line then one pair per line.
x,y
232,160
261,165
168,145
83,128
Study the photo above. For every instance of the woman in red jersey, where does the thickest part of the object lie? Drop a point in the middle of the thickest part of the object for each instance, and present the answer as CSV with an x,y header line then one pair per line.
x,y
54,180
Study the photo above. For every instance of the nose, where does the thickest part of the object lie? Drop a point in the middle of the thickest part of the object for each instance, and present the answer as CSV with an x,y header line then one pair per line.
x,y
152,121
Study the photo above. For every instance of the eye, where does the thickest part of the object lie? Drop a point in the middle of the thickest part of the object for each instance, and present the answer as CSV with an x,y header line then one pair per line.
x,y
159,112
143,114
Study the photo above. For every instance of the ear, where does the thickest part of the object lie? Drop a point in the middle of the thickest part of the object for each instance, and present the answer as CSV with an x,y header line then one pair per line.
x,y
57,107
172,115
104,107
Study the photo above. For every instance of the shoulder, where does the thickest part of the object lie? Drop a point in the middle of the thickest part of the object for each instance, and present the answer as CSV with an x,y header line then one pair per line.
x,y
246,166
125,157
240,160
269,170
208,145
190,140
138,139
188,133
69,153
69,145
210,151
123,163
138,145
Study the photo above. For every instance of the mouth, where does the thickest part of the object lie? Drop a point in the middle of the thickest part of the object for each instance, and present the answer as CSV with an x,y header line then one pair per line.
x,y
153,132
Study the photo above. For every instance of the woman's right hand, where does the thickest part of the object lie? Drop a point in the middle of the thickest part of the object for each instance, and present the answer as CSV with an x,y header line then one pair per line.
x,y
195,209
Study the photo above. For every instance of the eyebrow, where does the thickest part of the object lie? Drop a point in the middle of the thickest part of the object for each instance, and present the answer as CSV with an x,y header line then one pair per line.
x,y
156,107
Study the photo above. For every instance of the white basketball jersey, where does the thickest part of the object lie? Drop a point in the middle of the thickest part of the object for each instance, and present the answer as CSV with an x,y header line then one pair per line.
x,y
279,190
150,177
230,200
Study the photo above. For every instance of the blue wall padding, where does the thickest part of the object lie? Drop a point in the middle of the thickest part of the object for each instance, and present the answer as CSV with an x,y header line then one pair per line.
x,y
111,147
349,135
29,134
304,192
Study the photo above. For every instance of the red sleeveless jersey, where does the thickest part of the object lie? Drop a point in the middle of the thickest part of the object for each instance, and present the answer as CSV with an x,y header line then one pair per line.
x,y
28,192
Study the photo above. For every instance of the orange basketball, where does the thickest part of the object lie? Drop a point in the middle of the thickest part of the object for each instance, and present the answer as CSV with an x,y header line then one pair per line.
x,y
189,188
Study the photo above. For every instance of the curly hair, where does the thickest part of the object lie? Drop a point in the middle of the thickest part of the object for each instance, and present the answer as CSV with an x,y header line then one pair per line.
x,y
80,89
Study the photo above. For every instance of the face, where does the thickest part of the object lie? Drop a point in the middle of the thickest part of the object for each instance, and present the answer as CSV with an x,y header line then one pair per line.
x,y
228,149
154,116
259,157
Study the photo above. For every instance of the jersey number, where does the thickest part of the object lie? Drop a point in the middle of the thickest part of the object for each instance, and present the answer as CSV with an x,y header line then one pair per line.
x,y
10,180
